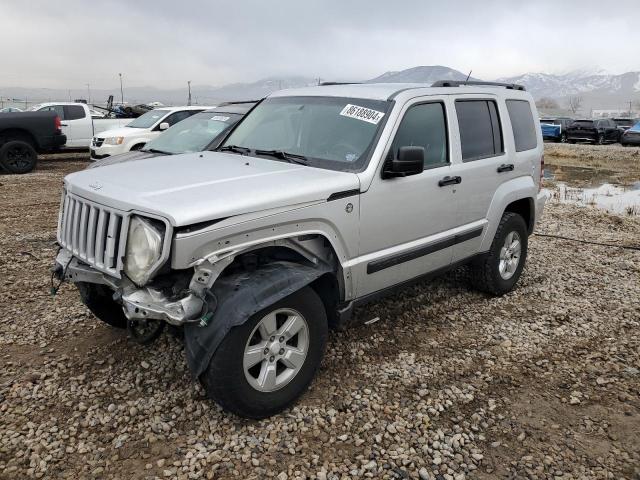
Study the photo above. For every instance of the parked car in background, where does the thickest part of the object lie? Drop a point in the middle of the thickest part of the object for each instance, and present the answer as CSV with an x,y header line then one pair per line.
x,y
78,123
631,136
202,131
624,124
555,129
601,131
139,131
11,110
320,200
24,135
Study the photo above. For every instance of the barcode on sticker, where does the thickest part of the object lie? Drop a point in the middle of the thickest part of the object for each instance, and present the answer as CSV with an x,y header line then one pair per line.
x,y
220,118
362,113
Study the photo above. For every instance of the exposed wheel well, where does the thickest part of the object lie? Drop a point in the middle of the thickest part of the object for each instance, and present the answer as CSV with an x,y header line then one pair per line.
x,y
17,134
523,207
137,146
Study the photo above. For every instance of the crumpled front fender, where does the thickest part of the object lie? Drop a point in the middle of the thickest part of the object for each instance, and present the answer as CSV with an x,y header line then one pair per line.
x,y
236,298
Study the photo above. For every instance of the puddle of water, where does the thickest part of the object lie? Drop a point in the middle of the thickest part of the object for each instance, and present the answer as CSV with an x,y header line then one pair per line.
x,y
582,176
624,200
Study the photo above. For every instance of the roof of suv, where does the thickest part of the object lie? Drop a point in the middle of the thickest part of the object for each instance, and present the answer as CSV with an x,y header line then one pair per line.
x,y
383,91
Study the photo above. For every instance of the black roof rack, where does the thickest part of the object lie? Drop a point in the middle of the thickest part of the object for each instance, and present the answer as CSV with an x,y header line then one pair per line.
x,y
327,84
238,102
458,83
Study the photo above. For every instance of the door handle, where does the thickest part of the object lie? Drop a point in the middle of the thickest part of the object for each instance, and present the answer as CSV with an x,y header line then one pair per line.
x,y
506,167
449,181
64,124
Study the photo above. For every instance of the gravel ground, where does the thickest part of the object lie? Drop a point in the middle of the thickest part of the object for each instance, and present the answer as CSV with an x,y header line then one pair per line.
x,y
448,384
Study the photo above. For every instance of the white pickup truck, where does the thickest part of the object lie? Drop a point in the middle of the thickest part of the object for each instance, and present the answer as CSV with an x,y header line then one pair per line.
x,y
78,123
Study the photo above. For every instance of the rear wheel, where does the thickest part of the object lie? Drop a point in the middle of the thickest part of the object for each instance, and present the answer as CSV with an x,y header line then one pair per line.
x,y
18,156
499,270
264,365
98,299
563,138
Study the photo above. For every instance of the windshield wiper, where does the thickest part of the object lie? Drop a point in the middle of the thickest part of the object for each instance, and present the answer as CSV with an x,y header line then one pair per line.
x,y
234,149
286,156
155,150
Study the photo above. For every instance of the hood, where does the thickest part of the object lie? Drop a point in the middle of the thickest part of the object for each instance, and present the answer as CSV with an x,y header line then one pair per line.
x,y
198,187
123,157
120,132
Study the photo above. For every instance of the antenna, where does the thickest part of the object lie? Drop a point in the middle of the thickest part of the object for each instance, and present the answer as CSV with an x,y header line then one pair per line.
x,y
469,76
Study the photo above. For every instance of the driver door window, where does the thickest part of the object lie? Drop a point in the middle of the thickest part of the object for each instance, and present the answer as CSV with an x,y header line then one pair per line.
x,y
424,125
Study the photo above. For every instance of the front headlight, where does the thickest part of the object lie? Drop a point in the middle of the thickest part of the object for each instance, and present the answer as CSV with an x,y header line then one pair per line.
x,y
114,140
144,249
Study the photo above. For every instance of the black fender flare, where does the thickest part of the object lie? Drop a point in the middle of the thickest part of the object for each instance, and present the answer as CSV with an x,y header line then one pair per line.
x,y
239,296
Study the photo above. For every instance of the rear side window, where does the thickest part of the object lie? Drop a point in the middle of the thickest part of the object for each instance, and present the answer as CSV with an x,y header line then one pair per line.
x,y
54,108
425,126
73,112
524,131
480,131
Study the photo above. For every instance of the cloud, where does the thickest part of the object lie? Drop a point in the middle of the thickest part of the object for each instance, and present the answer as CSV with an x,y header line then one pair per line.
x,y
165,43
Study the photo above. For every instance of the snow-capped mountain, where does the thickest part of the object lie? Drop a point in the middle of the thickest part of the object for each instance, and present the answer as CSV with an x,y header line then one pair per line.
x,y
422,74
578,82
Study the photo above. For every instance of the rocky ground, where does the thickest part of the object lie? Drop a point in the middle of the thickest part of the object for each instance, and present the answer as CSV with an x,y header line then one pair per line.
x,y
448,384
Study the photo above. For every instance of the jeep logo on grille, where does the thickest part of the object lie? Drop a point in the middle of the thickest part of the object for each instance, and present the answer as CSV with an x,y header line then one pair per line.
x,y
95,185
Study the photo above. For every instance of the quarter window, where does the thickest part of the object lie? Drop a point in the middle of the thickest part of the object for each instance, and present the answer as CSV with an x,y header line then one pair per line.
x,y
73,112
522,123
480,131
424,125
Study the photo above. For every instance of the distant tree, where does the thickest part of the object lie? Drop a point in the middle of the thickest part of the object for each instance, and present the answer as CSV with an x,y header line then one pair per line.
x,y
574,104
546,103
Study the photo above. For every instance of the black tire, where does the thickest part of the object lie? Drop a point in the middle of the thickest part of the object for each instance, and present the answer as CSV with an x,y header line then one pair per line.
x,y
563,138
137,147
18,156
601,139
485,273
98,299
225,381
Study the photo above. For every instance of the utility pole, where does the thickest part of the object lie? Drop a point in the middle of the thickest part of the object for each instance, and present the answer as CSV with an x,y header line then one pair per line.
x,y
89,90
189,87
121,90
69,95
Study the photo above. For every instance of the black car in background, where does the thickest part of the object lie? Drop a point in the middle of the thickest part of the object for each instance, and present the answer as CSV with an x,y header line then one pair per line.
x,y
601,131
555,128
200,132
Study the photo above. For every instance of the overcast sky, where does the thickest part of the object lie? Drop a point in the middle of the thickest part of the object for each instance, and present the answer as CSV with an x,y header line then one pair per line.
x,y
164,43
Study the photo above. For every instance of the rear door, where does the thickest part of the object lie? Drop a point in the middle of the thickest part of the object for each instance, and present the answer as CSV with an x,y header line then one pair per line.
x,y
483,164
78,125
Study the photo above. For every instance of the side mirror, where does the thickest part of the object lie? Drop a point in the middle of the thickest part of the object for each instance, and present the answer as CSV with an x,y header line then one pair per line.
x,y
164,125
410,161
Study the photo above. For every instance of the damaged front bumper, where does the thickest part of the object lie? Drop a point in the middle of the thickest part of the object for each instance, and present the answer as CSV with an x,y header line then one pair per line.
x,y
146,303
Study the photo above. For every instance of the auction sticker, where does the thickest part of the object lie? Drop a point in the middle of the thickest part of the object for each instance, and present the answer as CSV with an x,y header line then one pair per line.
x,y
220,118
362,113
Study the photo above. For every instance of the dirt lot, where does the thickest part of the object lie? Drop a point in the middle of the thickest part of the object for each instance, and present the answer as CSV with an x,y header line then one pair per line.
x,y
448,384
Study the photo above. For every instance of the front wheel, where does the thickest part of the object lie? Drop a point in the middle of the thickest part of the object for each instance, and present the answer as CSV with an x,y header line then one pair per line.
x,y
264,365
499,270
99,299
563,138
601,139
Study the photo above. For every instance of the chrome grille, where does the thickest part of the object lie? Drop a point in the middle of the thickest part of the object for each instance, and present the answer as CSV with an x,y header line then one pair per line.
x,y
93,233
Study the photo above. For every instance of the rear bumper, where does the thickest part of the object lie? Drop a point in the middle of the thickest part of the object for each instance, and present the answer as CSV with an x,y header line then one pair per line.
x,y
541,199
53,142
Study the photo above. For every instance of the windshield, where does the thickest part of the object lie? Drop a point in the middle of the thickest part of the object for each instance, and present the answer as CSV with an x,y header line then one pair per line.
x,y
193,134
329,132
583,123
148,119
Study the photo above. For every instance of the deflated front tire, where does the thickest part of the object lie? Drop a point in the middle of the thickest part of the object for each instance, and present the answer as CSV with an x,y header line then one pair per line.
x,y
99,299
